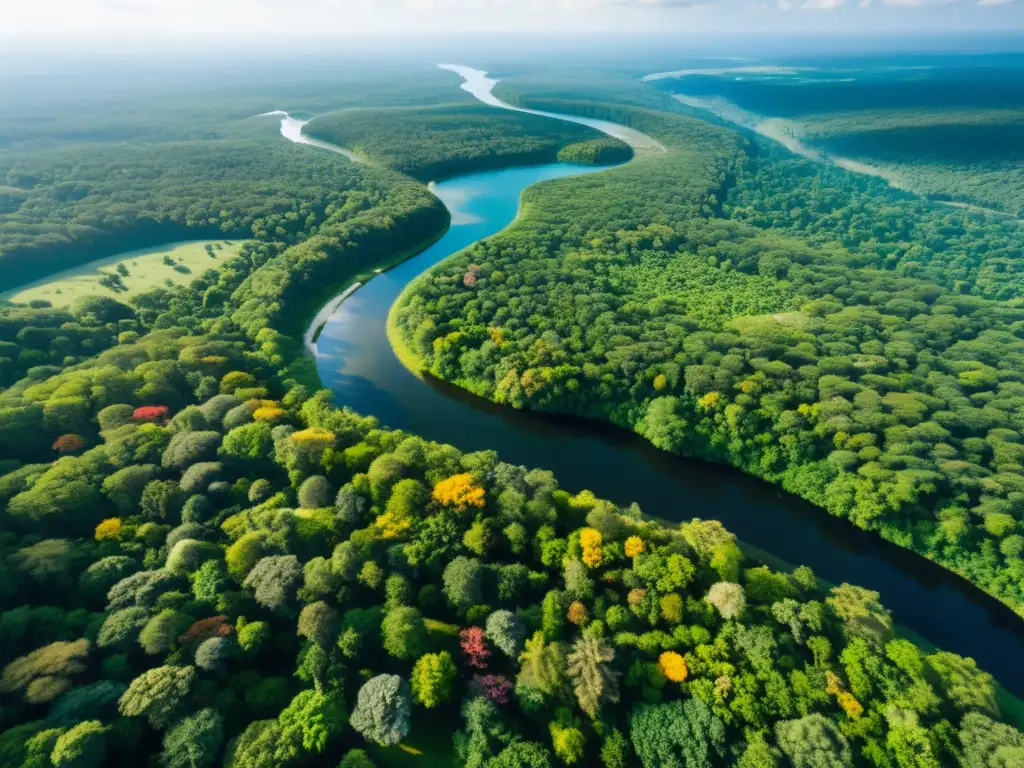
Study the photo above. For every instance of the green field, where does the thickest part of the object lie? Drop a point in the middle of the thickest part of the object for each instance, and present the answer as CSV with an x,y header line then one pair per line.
x,y
147,269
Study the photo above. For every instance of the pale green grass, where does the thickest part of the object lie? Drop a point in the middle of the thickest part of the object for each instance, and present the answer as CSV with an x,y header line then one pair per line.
x,y
146,269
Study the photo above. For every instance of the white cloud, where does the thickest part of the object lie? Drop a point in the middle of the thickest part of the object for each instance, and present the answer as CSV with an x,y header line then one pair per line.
x,y
355,19
920,3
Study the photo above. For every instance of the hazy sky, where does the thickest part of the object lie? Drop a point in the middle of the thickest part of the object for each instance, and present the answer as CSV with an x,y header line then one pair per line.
x,y
84,19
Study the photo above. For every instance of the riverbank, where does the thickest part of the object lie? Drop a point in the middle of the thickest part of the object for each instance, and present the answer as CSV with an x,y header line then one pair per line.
x,y
356,359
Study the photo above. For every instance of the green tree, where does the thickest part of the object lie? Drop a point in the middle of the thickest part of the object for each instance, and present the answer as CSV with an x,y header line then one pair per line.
x,y
506,631
403,633
862,614
158,694
213,654
433,677
383,710
312,719
594,680
315,492
965,686
249,442
319,622
463,582
161,632
82,746
126,486
677,734
813,742
194,741
274,581
45,673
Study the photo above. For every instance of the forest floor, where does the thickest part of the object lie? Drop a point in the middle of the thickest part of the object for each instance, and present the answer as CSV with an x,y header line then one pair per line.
x,y
146,270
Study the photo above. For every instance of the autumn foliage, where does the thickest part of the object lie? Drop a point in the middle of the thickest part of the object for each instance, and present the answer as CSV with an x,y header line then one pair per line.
x,y
474,647
673,666
846,700
497,688
109,529
458,491
590,541
69,443
636,596
391,526
204,629
577,613
268,413
152,413
634,546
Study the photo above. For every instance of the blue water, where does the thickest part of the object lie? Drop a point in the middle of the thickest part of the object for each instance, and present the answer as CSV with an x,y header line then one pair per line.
x,y
354,357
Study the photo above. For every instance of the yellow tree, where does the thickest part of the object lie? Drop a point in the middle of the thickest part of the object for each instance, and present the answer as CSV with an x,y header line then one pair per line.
x,y
459,491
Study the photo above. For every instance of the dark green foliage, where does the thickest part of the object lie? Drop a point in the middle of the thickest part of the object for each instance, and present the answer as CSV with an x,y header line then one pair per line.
x,y
194,741
677,735
198,477
86,702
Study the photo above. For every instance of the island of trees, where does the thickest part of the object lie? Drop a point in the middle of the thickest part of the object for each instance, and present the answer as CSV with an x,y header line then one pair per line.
x,y
434,143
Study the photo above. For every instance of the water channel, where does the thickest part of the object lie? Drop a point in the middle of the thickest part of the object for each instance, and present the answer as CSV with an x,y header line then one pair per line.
x,y
355,360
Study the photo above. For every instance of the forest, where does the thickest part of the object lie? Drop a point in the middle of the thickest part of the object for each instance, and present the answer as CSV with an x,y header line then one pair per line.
x,y
206,561
223,567
435,143
853,343
943,129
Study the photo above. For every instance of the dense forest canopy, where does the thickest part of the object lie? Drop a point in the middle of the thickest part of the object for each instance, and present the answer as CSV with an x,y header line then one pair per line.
x,y
851,342
84,177
433,143
204,561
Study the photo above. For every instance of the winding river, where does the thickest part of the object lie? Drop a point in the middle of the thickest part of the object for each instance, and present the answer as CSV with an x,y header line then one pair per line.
x,y
355,360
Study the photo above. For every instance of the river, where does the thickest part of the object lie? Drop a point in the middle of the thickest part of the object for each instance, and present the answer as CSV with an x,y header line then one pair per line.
x,y
355,360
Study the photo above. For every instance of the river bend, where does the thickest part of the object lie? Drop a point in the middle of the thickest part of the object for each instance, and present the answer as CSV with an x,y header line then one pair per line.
x,y
355,360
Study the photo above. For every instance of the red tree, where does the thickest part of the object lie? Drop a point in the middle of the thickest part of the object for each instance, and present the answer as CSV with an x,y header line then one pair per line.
x,y
150,413
497,688
473,644
215,626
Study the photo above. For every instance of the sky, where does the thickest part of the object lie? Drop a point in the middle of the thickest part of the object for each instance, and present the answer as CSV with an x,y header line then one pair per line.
x,y
85,20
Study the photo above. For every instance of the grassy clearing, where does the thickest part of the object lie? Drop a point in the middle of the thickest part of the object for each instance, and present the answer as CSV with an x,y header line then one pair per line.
x,y
429,745
179,263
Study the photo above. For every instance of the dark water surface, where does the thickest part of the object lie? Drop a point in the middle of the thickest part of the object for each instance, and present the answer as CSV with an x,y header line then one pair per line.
x,y
355,360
